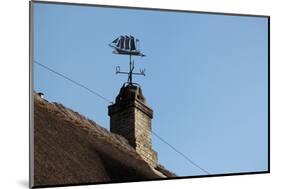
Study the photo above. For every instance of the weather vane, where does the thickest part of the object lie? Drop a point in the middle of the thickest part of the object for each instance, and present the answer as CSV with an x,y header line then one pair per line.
x,y
127,45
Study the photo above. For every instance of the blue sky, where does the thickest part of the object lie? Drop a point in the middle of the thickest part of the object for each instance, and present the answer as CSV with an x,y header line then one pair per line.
x,y
206,78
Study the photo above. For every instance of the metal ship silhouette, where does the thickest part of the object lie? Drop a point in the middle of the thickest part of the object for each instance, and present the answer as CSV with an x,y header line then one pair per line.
x,y
126,45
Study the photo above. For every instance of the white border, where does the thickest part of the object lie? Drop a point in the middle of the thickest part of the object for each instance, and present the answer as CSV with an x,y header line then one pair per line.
x,y
14,56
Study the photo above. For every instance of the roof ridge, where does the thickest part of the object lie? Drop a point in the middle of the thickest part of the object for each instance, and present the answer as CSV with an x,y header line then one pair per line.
x,y
72,115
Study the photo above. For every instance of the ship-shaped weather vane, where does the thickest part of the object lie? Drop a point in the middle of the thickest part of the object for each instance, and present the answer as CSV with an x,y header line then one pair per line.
x,y
127,45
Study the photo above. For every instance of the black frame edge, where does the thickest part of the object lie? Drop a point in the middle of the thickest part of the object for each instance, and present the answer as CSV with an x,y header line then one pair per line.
x,y
148,8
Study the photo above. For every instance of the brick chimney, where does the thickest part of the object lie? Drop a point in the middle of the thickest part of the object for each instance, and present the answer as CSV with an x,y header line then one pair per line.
x,y
130,117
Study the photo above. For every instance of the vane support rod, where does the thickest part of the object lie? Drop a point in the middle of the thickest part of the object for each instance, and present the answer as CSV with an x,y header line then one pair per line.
x,y
131,71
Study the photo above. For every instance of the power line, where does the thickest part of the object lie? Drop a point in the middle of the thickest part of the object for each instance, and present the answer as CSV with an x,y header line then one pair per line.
x,y
73,81
105,99
182,154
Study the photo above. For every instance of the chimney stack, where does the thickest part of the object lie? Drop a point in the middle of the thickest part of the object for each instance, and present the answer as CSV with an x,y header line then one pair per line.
x,y
130,117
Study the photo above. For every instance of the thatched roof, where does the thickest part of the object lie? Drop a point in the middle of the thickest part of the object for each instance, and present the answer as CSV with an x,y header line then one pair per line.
x,y
71,149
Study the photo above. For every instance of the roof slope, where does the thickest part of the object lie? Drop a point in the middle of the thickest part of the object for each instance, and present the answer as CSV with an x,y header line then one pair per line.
x,y
71,149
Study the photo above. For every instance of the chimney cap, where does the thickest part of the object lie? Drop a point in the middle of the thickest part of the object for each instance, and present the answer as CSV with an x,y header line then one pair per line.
x,y
130,92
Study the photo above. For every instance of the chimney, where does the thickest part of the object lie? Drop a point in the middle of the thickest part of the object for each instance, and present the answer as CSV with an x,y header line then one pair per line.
x,y
130,117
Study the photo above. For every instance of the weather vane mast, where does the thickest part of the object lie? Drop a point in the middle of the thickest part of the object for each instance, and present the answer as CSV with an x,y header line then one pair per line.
x,y
127,45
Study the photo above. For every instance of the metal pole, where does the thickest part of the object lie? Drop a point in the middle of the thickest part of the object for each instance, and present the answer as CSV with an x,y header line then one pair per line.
x,y
130,72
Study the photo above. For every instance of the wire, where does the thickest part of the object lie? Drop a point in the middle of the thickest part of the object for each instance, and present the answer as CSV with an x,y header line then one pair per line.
x,y
182,154
105,99
73,81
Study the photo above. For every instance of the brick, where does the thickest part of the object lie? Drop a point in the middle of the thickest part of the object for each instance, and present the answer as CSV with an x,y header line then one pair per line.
x,y
130,117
